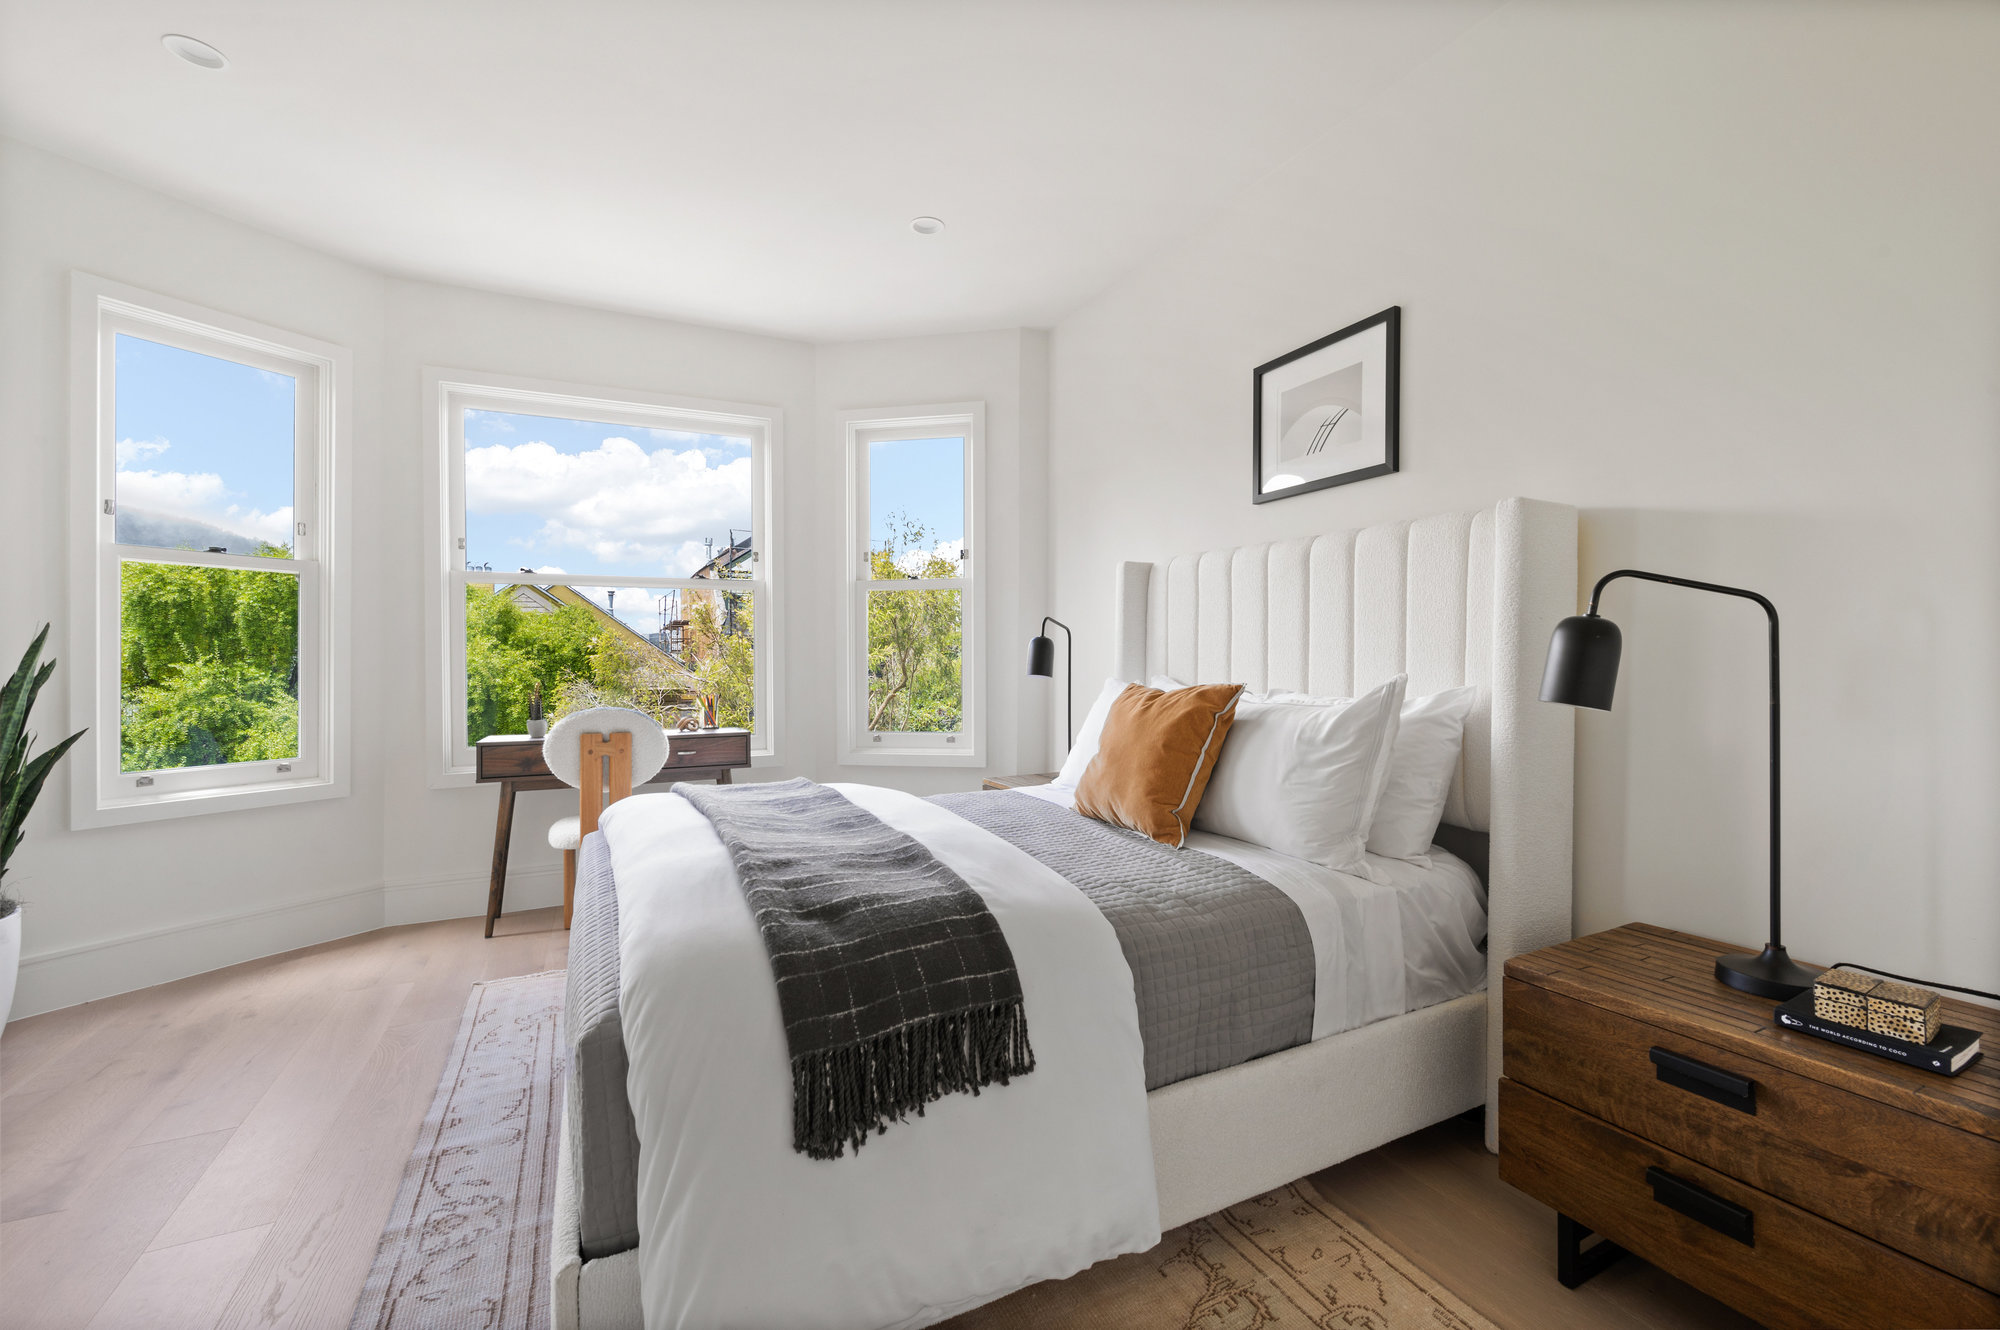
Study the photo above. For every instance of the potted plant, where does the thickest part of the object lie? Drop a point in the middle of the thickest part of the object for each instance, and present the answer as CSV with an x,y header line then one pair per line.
x,y
21,780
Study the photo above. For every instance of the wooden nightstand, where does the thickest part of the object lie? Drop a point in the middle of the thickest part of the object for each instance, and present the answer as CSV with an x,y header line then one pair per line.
x,y
1803,1183
1016,782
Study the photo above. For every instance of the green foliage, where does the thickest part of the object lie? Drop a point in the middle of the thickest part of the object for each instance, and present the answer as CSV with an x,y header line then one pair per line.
x,y
209,664
509,650
722,664
21,776
175,614
208,713
914,638
582,661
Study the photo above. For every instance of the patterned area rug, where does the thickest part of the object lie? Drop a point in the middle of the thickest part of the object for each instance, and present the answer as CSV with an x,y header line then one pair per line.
x,y
1284,1261
467,1242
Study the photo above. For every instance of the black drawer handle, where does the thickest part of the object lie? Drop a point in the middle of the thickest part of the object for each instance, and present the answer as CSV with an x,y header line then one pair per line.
x,y
1735,1092
1702,1206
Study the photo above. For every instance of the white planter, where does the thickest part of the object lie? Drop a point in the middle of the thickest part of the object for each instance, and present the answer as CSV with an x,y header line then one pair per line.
x,y
10,960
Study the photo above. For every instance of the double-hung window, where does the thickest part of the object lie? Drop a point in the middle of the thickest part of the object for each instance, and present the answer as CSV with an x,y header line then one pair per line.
x,y
596,547
206,639
910,673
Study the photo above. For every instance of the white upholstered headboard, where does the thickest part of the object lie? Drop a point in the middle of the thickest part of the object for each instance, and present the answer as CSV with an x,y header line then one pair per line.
x,y
1461,598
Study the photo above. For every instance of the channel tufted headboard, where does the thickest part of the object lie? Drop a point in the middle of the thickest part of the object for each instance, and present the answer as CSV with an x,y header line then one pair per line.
x,y
1456,599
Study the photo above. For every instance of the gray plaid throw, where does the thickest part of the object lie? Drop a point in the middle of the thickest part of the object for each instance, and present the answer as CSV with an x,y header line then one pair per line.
x,y
896,984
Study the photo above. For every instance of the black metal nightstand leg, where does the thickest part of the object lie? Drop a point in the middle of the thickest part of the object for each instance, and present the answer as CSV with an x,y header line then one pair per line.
x,y
1574,1262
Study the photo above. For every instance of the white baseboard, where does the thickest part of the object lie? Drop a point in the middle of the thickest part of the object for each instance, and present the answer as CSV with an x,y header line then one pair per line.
x,y
65,976
421,900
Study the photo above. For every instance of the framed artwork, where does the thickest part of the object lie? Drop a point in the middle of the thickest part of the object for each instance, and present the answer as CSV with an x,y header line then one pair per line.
x,y
1325,414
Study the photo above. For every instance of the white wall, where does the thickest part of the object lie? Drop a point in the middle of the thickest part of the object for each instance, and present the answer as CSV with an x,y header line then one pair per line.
x,y
123,907
115,909
1726,278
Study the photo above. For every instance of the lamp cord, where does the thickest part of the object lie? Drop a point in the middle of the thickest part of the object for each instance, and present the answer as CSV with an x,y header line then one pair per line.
x,y
1928,983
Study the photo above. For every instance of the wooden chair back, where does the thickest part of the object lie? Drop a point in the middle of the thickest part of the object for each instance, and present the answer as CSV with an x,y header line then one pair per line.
x,y
607,776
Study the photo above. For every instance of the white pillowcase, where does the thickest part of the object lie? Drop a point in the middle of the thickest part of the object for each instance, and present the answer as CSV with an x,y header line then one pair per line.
x,y
1428,742
1303,776
1085,746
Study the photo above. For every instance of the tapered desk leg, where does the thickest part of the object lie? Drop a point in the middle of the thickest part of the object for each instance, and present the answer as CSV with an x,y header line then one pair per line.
x,y
503,830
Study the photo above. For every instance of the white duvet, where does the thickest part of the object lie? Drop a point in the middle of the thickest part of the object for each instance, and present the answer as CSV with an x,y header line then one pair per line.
x,y
982,1195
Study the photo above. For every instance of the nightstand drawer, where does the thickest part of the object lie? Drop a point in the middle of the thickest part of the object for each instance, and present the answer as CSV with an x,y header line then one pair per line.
x,y
1780,1264
1907,1181
693,749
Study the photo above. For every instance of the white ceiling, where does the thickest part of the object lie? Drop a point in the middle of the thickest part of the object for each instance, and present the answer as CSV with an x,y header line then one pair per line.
x,y
749,163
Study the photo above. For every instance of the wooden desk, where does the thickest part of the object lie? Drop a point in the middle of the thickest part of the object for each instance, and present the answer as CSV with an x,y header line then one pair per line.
x,y
514,762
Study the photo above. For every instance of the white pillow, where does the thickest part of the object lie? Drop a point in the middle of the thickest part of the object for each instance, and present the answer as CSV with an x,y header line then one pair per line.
x,y
1303,779
1420,770
1085,746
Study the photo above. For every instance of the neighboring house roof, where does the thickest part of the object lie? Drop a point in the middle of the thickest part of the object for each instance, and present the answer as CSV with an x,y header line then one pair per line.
x,y
726,563
547,599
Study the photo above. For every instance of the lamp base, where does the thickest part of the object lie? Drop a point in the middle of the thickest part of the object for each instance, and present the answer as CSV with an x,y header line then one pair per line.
x,y
1770,973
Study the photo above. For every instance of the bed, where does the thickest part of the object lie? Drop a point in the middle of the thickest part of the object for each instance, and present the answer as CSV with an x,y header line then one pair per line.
x,y
1452,600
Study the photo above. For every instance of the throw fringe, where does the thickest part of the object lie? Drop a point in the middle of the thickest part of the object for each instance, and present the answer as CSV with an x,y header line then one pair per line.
x,y
840,1095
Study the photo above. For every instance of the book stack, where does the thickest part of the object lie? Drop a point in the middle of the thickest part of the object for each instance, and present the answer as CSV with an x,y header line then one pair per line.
x,y
1950,1051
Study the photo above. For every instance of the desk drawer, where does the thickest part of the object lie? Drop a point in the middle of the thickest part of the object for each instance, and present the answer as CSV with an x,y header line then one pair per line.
x,y
1771,1260
694,749
1916,1184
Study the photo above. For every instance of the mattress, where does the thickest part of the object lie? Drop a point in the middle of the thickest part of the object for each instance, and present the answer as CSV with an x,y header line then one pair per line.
x,y
1236,952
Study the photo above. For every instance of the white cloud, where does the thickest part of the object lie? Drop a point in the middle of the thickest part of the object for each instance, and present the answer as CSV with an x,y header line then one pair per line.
x,y
202,497
620,503
132,450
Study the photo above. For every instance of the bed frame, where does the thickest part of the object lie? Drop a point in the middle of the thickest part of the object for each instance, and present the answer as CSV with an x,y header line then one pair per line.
x,y
1462,598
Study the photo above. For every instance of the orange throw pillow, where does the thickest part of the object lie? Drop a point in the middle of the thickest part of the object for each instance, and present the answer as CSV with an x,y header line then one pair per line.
x,y
1155,756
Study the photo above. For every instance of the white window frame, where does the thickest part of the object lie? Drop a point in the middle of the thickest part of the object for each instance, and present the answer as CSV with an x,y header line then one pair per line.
x,y
447,394
101,793
857,744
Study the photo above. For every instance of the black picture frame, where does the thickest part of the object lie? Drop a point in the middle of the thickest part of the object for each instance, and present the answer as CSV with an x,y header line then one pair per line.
x,y
1392,319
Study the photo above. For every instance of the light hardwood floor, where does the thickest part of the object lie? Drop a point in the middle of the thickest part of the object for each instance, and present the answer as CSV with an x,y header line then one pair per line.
x,y
223,1151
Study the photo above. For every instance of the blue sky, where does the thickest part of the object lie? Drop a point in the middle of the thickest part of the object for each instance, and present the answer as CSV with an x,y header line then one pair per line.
x,y
202,440
923,479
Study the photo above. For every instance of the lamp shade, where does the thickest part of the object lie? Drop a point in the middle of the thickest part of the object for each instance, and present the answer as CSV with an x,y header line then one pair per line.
x,y
1582,669
1042,657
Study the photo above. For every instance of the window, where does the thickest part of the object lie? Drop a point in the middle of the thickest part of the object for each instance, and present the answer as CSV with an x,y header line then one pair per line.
x,y
598,548
911,680
210,662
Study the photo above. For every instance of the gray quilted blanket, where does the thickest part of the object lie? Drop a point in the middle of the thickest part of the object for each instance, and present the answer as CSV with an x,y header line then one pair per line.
x,y
895,982
1222,964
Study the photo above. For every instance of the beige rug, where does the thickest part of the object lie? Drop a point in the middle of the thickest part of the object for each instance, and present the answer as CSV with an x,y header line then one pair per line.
x,y
1284,1261
466,1246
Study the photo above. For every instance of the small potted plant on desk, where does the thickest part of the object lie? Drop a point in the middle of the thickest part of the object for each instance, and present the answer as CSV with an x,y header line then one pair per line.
x,y
21,780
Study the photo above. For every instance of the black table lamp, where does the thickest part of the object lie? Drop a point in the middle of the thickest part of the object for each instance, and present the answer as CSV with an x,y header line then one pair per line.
x,y
1582,670
1042,662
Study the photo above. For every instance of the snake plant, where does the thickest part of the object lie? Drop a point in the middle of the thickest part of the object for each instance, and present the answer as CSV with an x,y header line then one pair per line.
x,y
21,777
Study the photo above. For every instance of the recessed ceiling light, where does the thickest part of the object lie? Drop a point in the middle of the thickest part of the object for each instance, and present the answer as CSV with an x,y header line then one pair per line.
x,y
926,226
197,53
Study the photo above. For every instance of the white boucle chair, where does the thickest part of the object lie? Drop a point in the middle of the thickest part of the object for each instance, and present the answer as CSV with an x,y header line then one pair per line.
x,y
603,752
